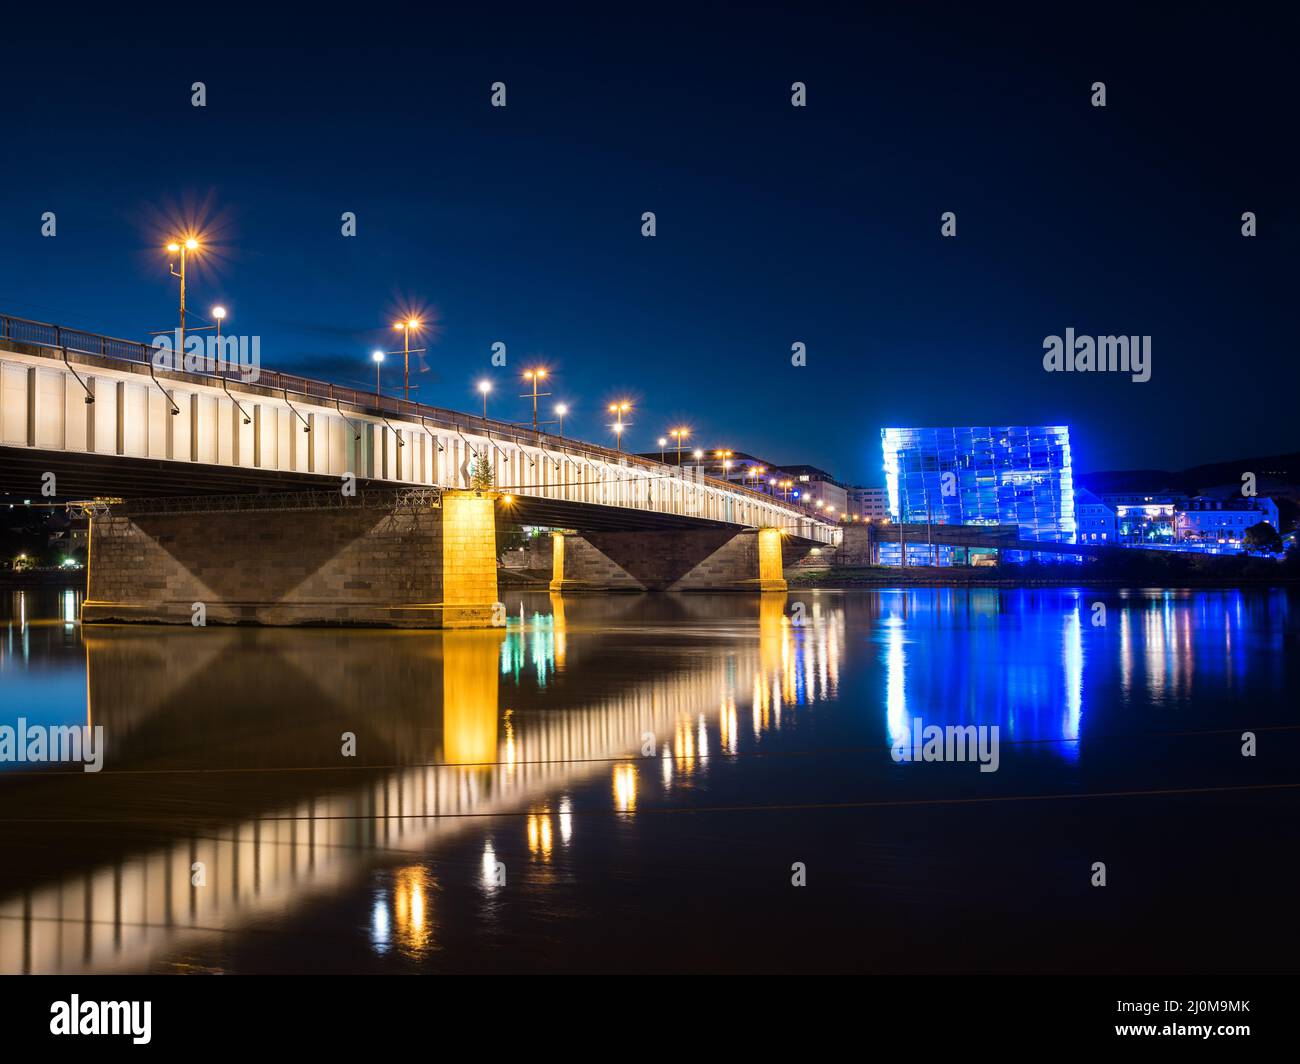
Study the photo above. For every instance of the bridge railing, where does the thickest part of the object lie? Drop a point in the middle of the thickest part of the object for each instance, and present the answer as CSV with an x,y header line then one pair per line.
x,y
59,337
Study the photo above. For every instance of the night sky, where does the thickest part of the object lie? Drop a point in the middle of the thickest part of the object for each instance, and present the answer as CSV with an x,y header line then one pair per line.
x,y
775,224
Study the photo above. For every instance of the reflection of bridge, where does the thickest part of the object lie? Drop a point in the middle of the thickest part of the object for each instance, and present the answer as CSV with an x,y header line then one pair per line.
x,y
131,910
96,413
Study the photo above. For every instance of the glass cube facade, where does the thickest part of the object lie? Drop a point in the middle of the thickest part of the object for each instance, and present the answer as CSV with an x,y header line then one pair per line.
x,y
983,475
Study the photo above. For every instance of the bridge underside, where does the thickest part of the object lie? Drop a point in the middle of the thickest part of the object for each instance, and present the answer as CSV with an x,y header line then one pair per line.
x,y
80,475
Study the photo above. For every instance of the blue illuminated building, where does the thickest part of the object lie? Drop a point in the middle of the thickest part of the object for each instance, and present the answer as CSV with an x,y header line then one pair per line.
x,y
982,475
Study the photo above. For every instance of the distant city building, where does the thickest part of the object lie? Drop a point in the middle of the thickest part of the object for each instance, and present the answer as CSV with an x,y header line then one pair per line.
x,y
868,504
816,485
1094,520
1145,517
1223,522
804,485
986,475
1213,524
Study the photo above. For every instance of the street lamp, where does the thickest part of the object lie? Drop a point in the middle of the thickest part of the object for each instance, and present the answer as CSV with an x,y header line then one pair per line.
x,y
679,434
536,376
184,247
663,442
378,357
405,328
218,315
619,409
484,387
561,409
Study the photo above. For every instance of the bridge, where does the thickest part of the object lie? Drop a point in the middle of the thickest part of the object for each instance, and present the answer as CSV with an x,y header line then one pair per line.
x,y
208,466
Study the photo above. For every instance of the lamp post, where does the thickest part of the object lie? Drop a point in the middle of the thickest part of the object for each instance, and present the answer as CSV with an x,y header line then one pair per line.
x,y
560,410
484,387
405,328
619,409
663,442
679,434
536,376
378,357
184,247
218,315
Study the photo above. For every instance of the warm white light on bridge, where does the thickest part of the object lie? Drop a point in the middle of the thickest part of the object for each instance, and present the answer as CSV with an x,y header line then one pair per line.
x,y
219,313
378,356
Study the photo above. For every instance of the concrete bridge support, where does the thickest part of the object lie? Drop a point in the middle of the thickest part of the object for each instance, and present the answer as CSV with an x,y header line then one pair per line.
x,y
305,559
697,560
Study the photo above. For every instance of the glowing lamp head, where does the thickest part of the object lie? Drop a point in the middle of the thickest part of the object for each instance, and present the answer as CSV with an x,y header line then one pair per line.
x,y
662,442
191,244
562,409
173,246
219,313
485,386
378,356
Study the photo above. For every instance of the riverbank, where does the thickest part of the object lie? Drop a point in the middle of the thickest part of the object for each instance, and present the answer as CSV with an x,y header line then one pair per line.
x,y
30,580
1026,576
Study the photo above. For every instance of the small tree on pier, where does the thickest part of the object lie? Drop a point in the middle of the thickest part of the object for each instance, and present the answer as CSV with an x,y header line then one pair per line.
x,y
480,474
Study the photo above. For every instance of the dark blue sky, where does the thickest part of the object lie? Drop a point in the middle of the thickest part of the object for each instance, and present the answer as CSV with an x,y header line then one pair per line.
x,y
775,224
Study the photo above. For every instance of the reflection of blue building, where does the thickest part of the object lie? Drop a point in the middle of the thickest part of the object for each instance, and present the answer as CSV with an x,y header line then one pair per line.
x,y
983,475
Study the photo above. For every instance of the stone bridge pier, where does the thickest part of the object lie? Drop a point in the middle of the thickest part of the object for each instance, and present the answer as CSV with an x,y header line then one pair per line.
x,y
416,559
695,560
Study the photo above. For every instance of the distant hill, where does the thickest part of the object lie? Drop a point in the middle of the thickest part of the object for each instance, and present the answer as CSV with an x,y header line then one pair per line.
x,y
1277,474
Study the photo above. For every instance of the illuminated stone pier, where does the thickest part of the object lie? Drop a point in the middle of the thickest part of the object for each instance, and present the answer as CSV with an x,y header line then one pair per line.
x,y
704,560
421,559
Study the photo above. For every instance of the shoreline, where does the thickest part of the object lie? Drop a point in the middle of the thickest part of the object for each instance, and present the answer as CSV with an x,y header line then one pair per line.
x,y
924,576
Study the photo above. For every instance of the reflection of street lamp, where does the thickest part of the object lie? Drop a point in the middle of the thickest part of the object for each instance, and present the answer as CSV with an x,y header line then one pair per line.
x,y
561,409
484,387
406,327
184,247
378,356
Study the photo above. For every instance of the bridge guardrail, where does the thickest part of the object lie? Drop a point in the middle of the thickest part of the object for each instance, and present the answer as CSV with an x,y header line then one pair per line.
x,y
59,337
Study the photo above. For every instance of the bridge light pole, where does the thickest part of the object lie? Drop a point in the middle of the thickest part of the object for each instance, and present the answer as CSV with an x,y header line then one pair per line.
x,y
619,409
536,376
560,410
184,247
484,387
663,442
679,434
218,315
378,357
406,327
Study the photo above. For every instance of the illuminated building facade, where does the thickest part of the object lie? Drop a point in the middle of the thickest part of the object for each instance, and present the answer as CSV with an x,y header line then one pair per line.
x,y
983,475
1222,523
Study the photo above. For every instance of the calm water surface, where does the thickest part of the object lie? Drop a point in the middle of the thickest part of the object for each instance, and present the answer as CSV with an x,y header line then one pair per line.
x,y
625,782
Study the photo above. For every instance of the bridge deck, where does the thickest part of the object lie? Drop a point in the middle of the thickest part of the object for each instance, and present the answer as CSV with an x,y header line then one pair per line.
x,y
155,432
